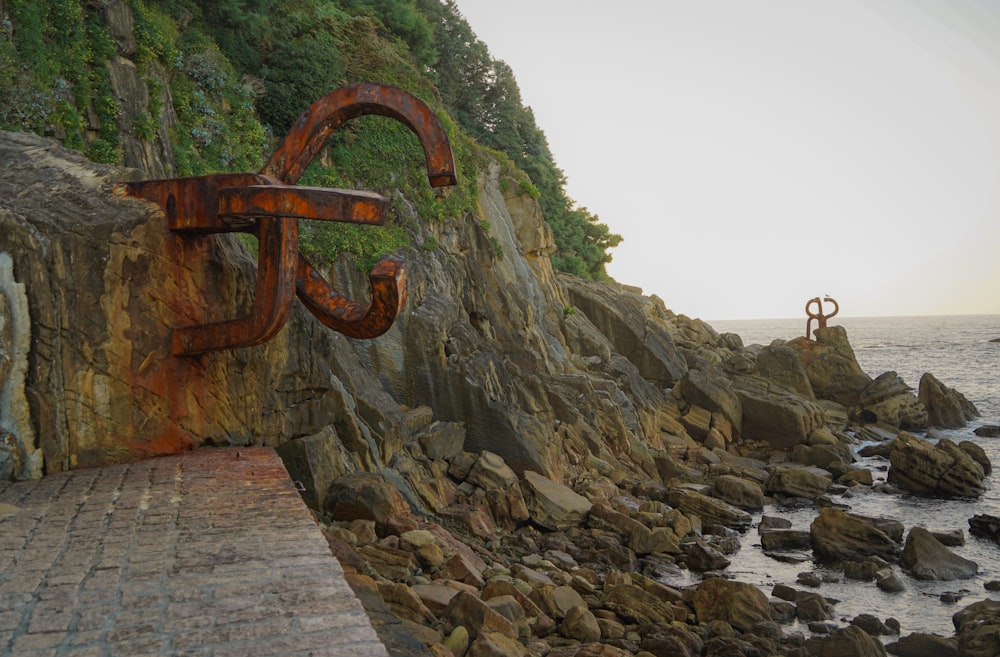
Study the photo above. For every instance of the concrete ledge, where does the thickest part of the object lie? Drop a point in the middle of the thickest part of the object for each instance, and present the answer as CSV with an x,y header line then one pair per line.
x,y
210,553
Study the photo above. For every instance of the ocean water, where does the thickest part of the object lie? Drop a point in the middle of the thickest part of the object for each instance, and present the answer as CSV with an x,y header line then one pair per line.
x,y
957,350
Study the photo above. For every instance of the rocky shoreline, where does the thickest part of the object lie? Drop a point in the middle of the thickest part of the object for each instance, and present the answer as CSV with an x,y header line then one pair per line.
x,y
519,463
510,564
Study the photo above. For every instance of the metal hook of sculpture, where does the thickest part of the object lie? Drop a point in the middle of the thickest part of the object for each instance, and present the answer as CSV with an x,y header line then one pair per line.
x,y
818,315
268,205
388,279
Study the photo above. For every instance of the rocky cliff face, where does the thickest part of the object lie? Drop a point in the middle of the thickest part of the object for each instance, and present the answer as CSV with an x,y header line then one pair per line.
x,y
494,352
552,373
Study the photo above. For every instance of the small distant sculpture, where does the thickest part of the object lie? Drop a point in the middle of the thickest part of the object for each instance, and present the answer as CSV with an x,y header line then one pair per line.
x,y
818,315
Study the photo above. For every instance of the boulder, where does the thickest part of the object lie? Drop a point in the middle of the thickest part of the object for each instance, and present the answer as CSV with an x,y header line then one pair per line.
x,y
697,421
864,570
888,580
740,604
477,520
985,525
822,455
798,481
442,440
848,641
709,509
711,390
435,597
458,641
580,624
824,435
780,363
702,557
784,539
855,477
553,505
405,603
811,607
604,517
977,628
889,401
924,644
496,644
942,470
310,460
557,601
388,561
504,495
469,611
872,625
987,431
669,468
773,522
589,650
465,568
951,538
658,540
774,415
740,492
637,605
978,454
366,496
674,640
924,557
836,535
945,406
832,368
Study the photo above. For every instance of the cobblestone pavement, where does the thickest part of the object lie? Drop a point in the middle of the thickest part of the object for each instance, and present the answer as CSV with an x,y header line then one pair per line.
x,y
210,553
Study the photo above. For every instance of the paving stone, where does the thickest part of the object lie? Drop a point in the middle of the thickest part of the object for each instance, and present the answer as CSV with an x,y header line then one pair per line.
x,y
201,555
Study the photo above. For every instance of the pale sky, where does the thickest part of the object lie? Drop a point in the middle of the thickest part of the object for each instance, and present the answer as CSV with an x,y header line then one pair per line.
x,y
757,153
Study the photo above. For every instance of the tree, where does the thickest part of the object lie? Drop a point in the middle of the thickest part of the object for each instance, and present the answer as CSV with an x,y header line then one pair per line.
x,y
483,96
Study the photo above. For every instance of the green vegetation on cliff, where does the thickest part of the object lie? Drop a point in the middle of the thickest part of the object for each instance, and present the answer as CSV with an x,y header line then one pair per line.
x,y
230,76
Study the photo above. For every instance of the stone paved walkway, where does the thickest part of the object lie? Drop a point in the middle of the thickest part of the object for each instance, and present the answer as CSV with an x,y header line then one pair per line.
x,y
200,554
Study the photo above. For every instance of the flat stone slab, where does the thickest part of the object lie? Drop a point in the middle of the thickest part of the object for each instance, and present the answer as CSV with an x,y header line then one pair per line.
x,y
209,553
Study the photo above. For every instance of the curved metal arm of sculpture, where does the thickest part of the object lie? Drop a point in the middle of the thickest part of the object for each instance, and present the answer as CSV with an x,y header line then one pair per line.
x,y
836,309
356,320
812,316
307,136
297,150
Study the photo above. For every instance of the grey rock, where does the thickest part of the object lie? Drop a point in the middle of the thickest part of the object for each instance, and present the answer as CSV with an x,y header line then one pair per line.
x,y
709,509
781,364
890,401
888,580
977,628
846,642
837,535
798,481
924,557
774,415
832,368
945,406
942,470
924,644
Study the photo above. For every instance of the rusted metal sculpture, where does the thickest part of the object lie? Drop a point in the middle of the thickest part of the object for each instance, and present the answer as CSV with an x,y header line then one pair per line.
x,y
818,315
269,205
